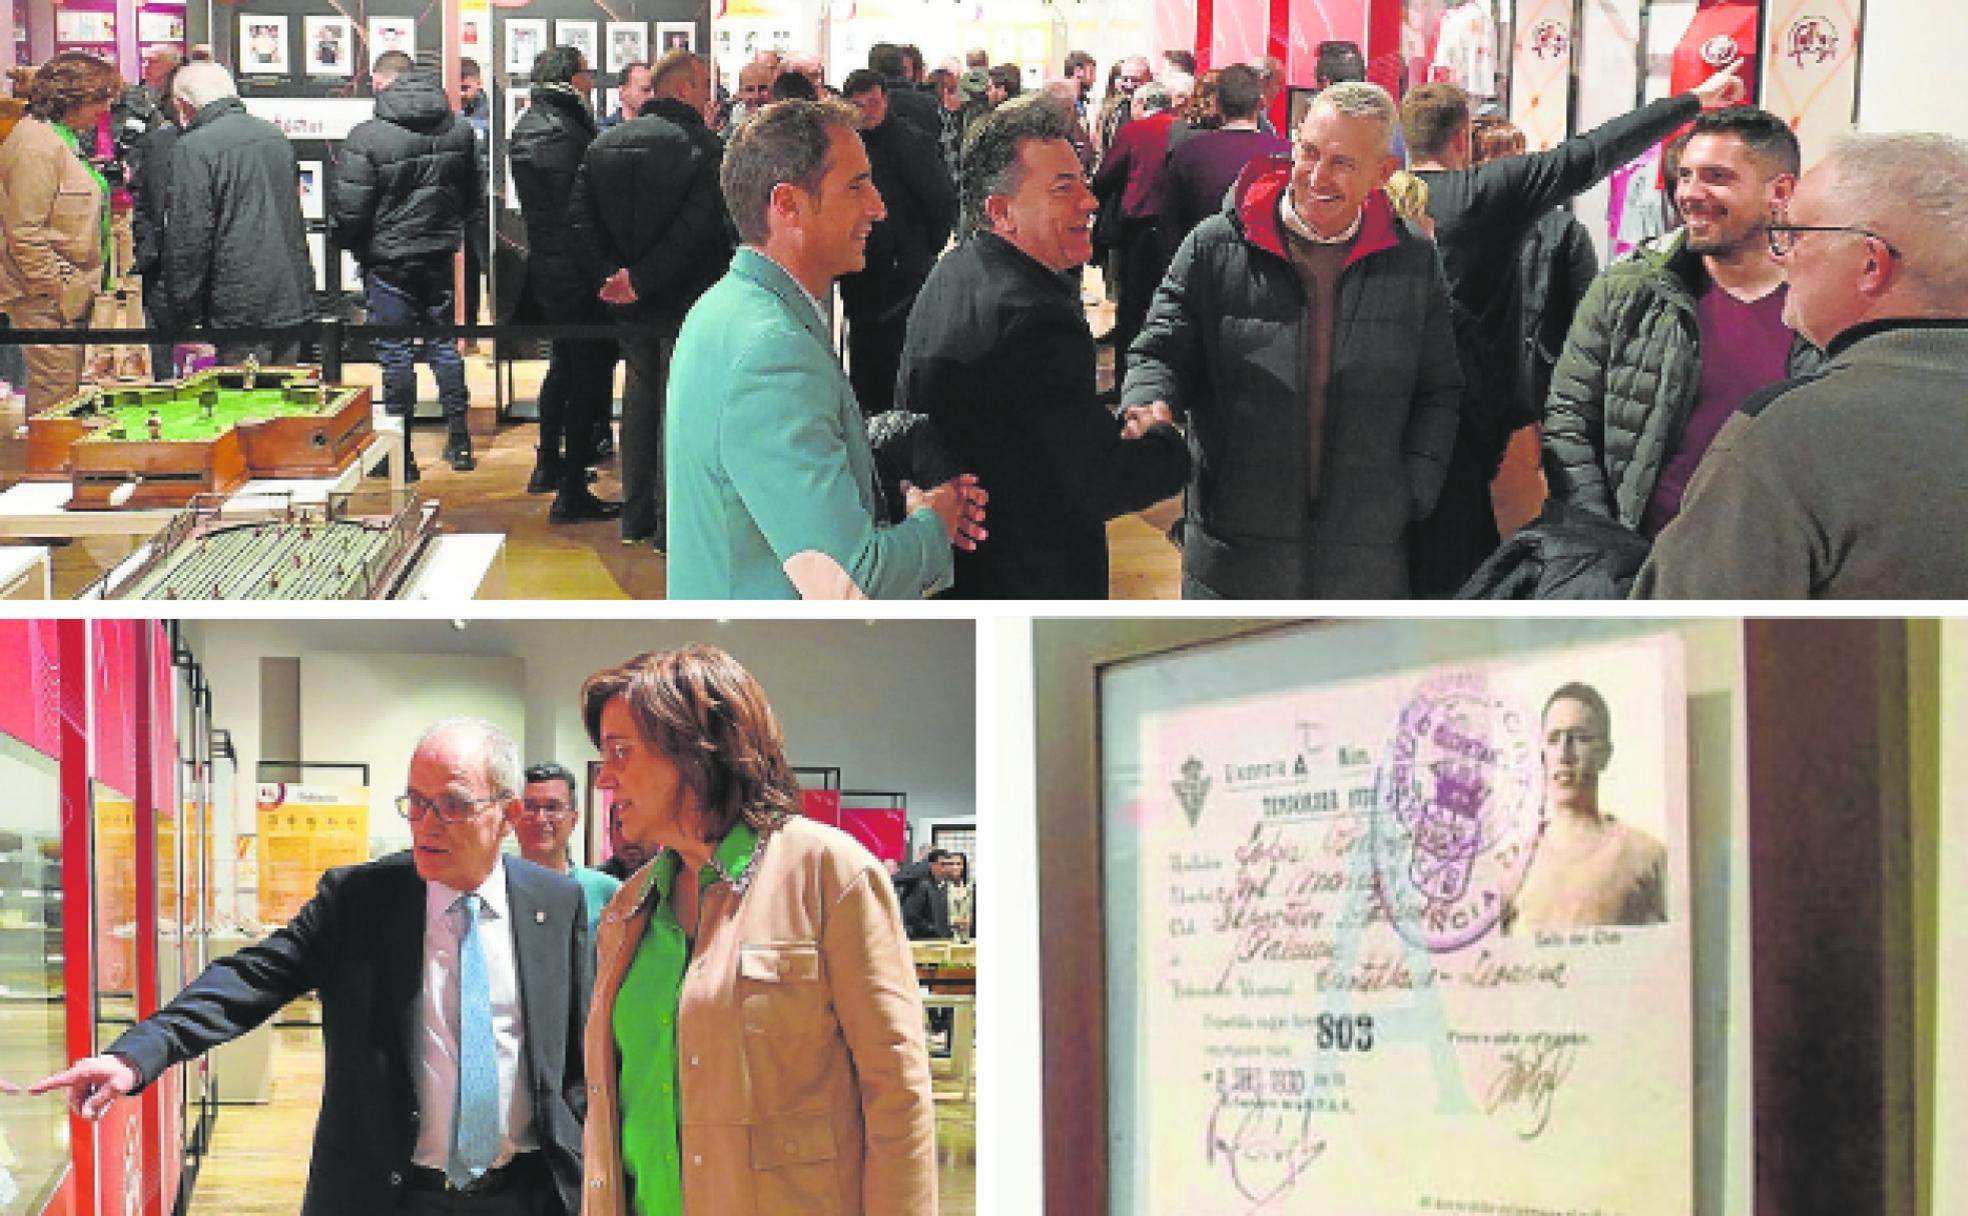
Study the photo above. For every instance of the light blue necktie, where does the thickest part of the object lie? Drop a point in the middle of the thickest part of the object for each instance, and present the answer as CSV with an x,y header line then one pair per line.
x,y
475,1123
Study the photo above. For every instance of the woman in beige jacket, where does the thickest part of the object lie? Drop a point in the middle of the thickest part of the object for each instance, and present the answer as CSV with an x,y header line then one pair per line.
x,y
52,232
755,1045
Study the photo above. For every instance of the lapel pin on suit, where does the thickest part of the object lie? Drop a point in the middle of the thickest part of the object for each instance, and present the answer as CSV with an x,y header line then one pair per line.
x,y
539,917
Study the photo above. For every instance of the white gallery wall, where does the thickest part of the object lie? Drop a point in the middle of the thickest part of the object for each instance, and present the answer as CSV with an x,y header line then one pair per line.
x,y
1908,66
890,703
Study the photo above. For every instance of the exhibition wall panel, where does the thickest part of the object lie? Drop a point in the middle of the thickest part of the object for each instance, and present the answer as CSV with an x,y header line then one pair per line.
x,y
373,709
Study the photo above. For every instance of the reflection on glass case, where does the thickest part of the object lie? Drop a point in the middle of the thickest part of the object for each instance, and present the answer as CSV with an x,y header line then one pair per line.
x,y
33,1135
105,762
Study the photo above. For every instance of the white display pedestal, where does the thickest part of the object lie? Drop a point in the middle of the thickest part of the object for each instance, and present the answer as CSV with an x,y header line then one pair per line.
x,y
243,1068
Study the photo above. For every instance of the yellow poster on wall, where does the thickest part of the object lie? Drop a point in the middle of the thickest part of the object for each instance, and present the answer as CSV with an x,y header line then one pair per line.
x,y
116,891
305,830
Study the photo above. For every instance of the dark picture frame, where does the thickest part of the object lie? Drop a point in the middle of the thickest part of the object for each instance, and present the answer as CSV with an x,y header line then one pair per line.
x,y
1829,867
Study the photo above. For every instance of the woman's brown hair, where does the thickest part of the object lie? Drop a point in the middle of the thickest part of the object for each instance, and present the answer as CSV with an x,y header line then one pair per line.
x,y
708,716
69,81
1201,111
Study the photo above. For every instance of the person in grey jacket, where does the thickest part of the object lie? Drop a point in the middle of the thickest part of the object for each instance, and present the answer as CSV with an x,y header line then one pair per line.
x,y
406,181
1847,484
236,253
1305,334
1668,344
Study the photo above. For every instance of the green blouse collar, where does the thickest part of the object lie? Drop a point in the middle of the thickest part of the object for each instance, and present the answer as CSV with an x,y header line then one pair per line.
x,y
735,853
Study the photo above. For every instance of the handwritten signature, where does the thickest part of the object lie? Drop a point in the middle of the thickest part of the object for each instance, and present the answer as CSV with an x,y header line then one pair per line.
x,y
1524,1087
1264,1147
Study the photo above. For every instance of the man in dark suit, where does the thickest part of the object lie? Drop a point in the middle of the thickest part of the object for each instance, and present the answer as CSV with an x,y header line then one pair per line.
x,y
926,908
454,984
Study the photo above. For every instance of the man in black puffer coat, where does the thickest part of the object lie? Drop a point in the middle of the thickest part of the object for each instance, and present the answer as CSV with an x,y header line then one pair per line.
x,y
648,212
1305,333
403,187
235,254
546,148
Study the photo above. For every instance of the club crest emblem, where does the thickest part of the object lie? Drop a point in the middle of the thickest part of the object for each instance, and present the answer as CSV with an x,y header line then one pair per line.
x,y
1192,789
1551,40
1720,51
1811,39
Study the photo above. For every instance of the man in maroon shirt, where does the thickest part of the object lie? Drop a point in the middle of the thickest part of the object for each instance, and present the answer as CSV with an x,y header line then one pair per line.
x,y
1667,345
1201,170
1133,168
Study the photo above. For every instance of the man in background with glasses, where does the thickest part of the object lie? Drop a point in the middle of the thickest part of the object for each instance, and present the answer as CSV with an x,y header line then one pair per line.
x,y
1848,483
454,985
544,821
1667,345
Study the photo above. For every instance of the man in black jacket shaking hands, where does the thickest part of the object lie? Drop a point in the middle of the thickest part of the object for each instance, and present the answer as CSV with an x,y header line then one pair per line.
x,y
999,354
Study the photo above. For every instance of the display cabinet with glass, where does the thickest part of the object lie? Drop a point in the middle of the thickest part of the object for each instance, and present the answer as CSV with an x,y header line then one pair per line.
x,y
33,1135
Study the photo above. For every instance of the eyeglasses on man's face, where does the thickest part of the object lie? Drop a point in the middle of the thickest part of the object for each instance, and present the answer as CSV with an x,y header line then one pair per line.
x,y
545,808
1783,236
450,808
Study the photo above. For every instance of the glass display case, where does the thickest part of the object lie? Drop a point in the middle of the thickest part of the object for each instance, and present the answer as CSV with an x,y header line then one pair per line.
x,y
33,1135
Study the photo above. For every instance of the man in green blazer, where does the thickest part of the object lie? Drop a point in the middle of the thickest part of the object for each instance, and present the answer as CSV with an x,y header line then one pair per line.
x,y
772,491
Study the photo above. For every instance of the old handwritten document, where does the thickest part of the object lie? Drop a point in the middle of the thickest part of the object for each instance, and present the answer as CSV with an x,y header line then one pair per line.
x,y
1410,942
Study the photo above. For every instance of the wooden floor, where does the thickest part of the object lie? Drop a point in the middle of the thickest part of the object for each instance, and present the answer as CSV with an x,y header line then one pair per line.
x,y
587,561
259,1154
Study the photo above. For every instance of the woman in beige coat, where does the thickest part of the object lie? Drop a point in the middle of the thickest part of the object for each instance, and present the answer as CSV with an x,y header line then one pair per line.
x,y
755,1045
52,233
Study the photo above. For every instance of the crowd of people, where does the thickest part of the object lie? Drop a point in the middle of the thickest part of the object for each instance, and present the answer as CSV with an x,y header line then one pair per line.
x,y
733,1024
1325,339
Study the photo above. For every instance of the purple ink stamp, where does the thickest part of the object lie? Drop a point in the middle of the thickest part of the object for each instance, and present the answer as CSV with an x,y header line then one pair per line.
x,y
1457,800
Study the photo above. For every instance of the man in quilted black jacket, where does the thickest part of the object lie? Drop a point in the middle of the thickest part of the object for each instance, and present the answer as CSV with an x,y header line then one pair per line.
x,y
405,183
1304,333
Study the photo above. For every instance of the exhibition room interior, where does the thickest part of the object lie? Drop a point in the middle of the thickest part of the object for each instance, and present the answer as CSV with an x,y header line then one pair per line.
x,y
184,784
1317,940
1565,68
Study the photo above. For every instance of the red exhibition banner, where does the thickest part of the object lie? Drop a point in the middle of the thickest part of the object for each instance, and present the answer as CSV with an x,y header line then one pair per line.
x,y
822,805
30,675
883,832
113,714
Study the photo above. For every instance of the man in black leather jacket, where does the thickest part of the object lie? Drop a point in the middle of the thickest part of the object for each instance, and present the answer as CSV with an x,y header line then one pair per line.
x,y
648,211
546,148
403,187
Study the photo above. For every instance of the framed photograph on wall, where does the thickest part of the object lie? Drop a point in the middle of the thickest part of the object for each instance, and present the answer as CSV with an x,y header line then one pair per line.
x,y
329,46
392,34
263,44
517,99
85,27
676,36
582,36
159,27
525,38
628,42
311,190
351,273
471,37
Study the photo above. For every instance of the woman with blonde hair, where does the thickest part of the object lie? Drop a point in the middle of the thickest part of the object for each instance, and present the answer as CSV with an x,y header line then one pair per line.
x,y
54,217
756,1038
